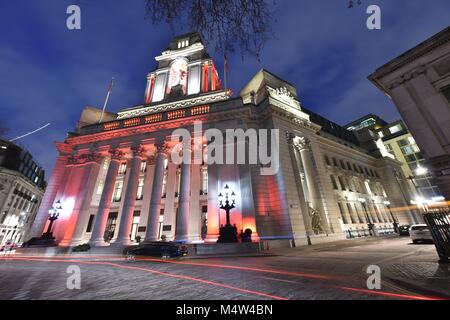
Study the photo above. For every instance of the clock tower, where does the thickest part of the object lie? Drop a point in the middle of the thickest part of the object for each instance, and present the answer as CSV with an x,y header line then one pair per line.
x,y
184,71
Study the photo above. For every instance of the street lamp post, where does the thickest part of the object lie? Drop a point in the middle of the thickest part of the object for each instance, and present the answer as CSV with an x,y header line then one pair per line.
x,y
227,202
53,215
370,225
395,223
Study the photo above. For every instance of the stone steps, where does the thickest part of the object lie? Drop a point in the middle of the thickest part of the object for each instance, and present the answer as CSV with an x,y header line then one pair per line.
x,y
224,248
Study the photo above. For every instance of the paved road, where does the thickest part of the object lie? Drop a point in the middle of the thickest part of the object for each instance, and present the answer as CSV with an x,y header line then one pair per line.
x,y
331,271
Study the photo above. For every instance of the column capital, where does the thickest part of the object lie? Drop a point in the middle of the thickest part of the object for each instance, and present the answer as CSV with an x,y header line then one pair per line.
x,y
116,154
289,137
162,147
303,143
138,151
151,160
78,159
63,148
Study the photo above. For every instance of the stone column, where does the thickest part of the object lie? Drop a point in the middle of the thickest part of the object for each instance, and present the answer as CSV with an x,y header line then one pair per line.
x,y
53,186
182,230
75,228
126,220
304,146
155,202
93,174
301,186
213,204
97,237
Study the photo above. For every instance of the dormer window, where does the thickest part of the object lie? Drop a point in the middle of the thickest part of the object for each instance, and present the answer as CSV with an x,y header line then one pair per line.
x,y
183,43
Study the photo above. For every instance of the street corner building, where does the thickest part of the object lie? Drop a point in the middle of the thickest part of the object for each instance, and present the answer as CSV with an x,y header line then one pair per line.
x,y
117,182
22,186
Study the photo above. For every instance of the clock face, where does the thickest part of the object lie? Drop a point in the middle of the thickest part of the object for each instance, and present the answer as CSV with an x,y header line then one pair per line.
x,y
178,75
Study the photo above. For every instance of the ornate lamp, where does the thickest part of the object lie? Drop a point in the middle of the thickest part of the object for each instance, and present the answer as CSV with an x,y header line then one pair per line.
x,y
370,225
227,202
395,223
53,215
227,206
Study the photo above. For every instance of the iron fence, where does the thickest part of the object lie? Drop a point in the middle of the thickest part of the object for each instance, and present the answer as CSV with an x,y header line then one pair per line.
x,y
439,223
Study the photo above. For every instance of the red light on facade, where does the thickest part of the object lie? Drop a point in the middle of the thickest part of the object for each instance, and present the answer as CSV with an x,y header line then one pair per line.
x,y
111,125
131,122
205,77
149,93
153,118
176,114
199,110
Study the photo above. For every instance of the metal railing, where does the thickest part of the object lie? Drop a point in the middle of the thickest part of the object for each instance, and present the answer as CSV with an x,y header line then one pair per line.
x,y
439,223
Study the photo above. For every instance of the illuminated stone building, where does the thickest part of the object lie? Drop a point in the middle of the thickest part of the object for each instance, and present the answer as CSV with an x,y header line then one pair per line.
x,y
418,82
117,179
22,187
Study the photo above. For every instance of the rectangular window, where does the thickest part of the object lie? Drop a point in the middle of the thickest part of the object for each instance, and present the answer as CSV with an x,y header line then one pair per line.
x,y
90,223
164,184
335,162
342,183
350,212
395,129
333,181
123,168
140,189
118,191
143,166
341,210
204,181
100,187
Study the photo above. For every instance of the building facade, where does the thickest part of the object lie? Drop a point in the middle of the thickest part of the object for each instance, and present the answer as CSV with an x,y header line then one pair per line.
x,y
418,82
22,187
118,179
400,143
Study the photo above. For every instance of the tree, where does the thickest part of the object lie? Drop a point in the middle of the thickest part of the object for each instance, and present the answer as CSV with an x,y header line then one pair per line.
x,y
226,25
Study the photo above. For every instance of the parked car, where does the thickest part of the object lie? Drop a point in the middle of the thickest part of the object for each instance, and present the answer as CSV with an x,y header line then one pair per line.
x,y
404,230
420,233
156,249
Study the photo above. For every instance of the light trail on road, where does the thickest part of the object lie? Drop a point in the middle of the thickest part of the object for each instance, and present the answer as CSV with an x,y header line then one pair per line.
x,y
213,283
226,266
389,294
208,282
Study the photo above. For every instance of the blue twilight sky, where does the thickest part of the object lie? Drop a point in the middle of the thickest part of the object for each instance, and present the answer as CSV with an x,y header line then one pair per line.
x,y
48,73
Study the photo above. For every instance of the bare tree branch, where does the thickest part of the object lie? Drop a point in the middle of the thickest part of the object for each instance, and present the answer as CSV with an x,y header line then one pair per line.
x,y
226,25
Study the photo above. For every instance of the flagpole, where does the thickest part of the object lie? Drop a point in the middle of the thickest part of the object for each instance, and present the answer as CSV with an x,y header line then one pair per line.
x,y
225,70
106,100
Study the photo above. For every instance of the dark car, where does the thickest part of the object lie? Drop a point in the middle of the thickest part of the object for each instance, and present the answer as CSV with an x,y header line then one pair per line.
x,y
156,249
404,230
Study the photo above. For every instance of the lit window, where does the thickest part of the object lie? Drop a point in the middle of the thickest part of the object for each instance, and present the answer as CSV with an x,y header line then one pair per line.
x,y
143,166
118,191
204,180
106,164
164,185
123,168
140,189
100,187
411,140
183,44
395,129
